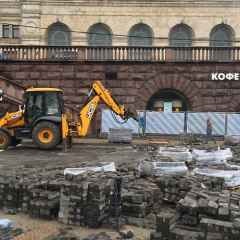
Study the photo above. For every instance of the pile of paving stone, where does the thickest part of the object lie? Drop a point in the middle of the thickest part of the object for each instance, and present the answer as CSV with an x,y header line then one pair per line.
x,y
14,192
198,204
201,215
120,135
174,188
28,191
89,199
141,199
45,200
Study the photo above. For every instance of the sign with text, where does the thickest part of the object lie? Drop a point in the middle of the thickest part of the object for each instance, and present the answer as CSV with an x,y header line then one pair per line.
x,y
167,106
220,76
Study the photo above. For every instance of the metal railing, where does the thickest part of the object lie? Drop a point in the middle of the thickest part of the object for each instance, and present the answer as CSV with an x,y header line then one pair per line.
x,y
119,53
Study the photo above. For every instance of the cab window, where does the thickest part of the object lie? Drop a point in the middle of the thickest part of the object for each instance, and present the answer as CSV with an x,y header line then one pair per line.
x,y
52,104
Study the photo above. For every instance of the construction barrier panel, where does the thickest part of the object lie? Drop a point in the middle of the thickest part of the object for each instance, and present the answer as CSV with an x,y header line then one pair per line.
x,y
233,124
111,120
164,123
167,123
197,122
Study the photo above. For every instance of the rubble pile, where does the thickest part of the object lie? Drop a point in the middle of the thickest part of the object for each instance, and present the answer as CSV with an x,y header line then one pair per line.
x,y
89,199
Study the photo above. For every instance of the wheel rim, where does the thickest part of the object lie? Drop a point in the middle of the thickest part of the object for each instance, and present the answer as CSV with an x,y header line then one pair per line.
x,y
2,140
45,136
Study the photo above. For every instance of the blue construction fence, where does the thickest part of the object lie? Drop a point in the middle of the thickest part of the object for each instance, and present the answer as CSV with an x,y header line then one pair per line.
x,y
174,123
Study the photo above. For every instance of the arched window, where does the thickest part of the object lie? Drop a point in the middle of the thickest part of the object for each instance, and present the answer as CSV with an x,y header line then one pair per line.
x,y
59,35
99,34
181,36
140,35
221,35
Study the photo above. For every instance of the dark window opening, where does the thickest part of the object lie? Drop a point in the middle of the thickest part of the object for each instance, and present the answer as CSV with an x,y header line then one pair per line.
x,y
15,31
111,75
6,31
172,99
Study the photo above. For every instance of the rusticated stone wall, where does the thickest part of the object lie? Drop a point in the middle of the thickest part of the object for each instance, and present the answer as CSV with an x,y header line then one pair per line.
x,y
133,83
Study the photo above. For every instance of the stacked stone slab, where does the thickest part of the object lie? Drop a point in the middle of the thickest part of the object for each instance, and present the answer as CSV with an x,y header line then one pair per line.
x,y
165,222
201,214
45,199
18,191
14,195
174,188
121,135
141,200
213,210
88,200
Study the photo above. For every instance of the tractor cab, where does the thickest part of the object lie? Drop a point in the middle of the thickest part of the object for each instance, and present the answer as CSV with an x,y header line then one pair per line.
x,y
43,109
42,104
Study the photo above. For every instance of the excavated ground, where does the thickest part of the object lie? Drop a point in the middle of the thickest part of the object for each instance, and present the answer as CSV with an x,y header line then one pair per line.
x,y
174,207
93,151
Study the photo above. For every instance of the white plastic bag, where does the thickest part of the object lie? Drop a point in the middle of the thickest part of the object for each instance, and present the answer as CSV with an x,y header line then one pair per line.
x,y
231,177
6,223
106,167
219,156
175,153
153,168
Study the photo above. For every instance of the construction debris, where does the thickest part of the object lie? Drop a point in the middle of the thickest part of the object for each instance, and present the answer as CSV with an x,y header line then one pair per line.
x,y
177,199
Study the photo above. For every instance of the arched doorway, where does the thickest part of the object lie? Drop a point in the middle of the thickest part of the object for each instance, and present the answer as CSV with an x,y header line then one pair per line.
x,y
169,100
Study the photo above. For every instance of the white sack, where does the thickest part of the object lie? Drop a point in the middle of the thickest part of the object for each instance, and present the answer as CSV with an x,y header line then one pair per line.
x,y
110,167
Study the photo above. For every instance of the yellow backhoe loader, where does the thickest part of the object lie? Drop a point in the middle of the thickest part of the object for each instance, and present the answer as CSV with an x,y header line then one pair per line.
x,y
42,117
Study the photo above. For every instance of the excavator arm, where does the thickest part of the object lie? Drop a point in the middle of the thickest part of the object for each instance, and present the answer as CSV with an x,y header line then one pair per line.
x,y
99,94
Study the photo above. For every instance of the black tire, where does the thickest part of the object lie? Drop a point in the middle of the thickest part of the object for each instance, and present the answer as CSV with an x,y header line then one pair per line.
x,y
5,139
46,135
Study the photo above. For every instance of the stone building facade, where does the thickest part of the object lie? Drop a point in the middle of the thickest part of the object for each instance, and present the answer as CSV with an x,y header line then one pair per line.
x,y
161,22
